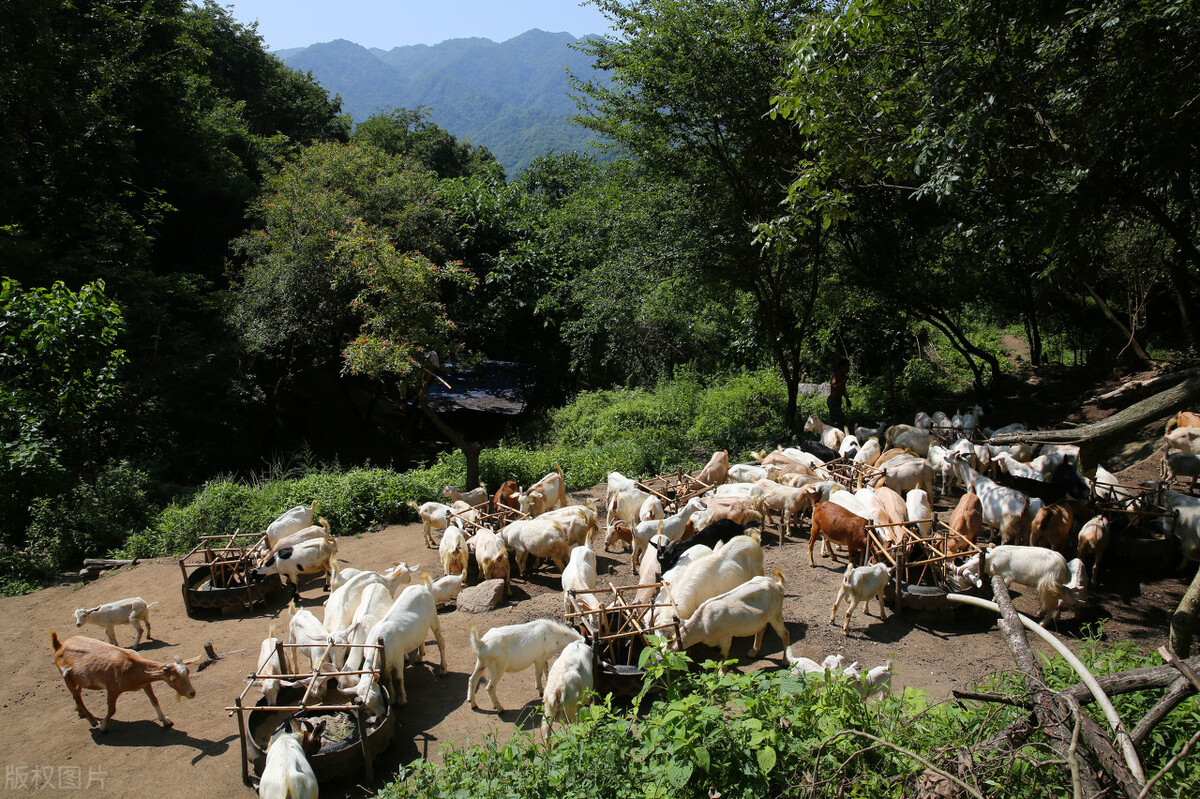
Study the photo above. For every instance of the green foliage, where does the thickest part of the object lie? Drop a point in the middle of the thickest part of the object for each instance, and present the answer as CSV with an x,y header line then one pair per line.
x,y
690,85
59,376
409,133
93,518
351,501
774,735
680,421
332,255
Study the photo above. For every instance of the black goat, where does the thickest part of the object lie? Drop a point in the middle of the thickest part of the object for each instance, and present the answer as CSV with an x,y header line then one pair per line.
x,y
718,532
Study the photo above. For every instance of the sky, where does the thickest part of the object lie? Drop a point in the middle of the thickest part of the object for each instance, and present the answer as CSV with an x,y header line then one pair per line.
x,y
386,24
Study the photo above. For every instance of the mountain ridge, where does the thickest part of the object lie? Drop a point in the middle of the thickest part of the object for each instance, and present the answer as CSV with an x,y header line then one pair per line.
x,y
510,96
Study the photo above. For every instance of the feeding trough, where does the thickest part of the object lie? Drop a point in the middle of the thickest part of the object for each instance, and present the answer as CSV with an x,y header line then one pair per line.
x,y
353,736
920,580
218,574
674,490
1133,512
616,632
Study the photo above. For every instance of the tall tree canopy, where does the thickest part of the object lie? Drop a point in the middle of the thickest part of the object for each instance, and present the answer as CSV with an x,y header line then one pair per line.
x,y
690,87
1035,147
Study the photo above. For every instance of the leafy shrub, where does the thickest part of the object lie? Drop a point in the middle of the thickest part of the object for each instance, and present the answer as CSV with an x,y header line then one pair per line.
x,y
92,518
679,422
352,502
772,735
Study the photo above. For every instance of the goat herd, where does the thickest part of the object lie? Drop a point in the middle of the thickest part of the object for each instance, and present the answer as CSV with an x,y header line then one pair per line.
x,y
700,565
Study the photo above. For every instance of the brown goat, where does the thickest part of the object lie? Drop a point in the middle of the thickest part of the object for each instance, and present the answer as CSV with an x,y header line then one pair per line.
x,y
716,470
967,521
1093,540
739,509
88,663
1053,524
838,526
506,496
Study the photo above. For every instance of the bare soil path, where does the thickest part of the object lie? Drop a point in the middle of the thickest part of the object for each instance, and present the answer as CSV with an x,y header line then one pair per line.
x,y
45,747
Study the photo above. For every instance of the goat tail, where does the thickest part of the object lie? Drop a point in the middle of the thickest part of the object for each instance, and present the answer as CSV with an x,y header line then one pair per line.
x,y
54,642
558,469
321,521
152,606
474,635
777,574
426,578
846,576
292,606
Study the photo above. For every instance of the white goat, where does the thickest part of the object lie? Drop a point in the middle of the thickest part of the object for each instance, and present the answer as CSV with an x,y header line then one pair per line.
x,y
434,516
402,631
515,647
744,610
861,584
571,679
287,773
288,522
477,497
132,611
453,550
1042,569
313,639
580,575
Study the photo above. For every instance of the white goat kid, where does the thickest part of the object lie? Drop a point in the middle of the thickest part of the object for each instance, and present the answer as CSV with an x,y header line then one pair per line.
x,y
132,611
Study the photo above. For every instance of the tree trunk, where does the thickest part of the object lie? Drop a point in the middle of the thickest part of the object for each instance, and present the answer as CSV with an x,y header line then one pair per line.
x,y
470,450
793,397
1183,623
1126,333
1032,333
1180,288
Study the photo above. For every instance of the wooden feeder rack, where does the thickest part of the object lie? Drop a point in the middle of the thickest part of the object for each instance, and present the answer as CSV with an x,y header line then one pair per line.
x,y
217,572
674,490
493,521
326,765
1138,504
615,631
929,571
851,474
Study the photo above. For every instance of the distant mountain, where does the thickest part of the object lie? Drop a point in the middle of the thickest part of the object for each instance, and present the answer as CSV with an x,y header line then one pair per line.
x,y
509,96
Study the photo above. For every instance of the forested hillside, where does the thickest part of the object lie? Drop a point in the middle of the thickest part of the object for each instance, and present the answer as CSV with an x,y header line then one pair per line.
x,y
207,271
511,96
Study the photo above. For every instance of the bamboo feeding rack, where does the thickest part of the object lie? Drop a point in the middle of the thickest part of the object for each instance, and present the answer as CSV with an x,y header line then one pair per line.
x,y
1131,504
674,490
371,740
933,565
217,572
616,631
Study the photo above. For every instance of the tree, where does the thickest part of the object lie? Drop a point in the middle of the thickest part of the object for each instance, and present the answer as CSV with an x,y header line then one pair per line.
x,y
341,275
60,365
409,133
690,87
1036,131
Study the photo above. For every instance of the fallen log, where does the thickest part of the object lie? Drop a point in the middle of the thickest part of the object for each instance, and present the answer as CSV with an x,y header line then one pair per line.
x,y
1093,438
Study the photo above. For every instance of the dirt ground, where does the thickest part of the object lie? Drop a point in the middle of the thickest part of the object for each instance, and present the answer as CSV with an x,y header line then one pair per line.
x,y
45,746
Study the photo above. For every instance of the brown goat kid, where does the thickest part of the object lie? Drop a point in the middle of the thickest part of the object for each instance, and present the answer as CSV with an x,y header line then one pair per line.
x,y
838,526
88,663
